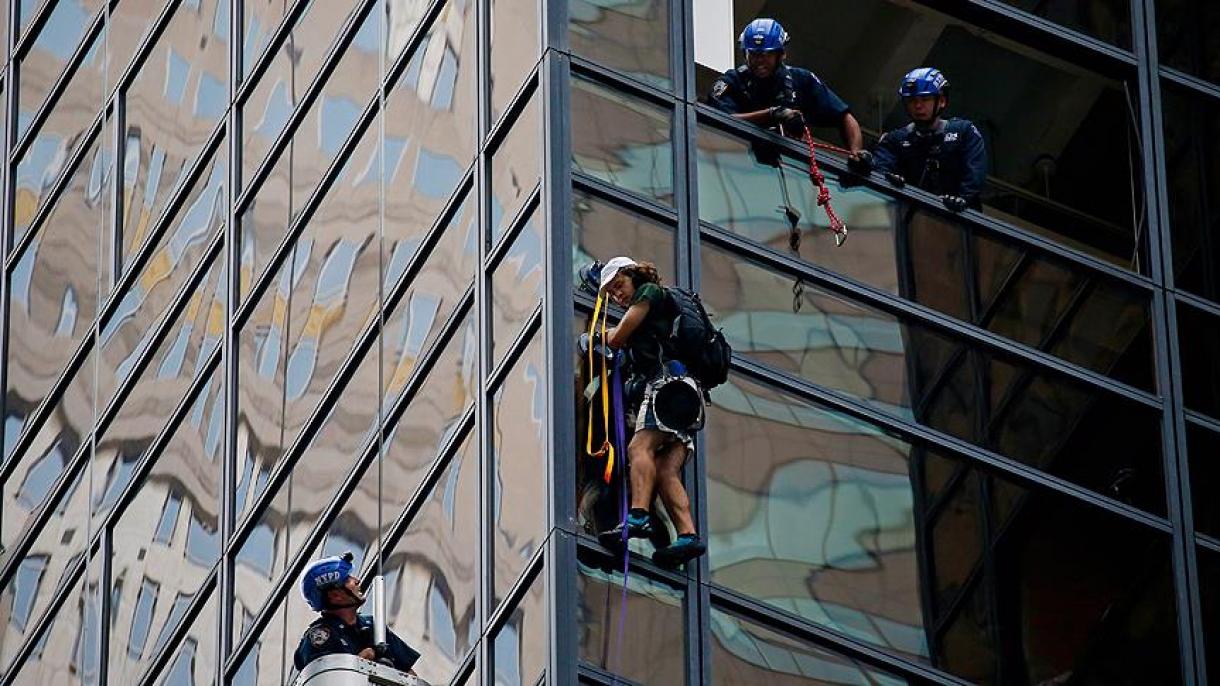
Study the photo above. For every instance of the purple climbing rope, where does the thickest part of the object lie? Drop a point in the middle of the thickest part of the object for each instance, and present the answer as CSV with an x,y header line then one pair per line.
x,y
620,440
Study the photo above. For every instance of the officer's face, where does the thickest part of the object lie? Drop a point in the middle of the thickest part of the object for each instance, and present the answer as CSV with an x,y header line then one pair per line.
x,y
338,597
922,108
763,64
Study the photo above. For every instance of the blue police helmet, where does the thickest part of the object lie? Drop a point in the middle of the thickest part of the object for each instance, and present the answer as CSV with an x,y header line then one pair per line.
x,y
323,575
923,81
764,35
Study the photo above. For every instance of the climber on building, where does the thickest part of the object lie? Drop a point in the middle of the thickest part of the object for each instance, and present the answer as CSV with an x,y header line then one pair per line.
x,y
945,157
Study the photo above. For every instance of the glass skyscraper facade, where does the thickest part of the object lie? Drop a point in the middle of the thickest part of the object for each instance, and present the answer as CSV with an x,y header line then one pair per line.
x,y
285,278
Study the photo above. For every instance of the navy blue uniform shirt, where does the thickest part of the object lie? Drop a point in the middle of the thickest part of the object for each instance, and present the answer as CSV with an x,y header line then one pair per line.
x,y
739,92
949,159
329,635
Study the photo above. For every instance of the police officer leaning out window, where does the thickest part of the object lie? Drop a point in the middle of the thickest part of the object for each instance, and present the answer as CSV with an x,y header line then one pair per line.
x,y
942,156
768,92
330,588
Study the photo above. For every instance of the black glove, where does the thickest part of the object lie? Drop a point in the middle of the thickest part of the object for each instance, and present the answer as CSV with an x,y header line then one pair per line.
x,y
584,343
895,179
788,117
862,163
955,203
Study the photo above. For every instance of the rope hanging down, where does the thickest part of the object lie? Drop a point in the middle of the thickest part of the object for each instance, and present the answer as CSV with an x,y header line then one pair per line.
x,y
819,179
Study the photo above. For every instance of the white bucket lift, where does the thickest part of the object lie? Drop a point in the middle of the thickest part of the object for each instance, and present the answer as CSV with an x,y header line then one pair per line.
x,y
349,670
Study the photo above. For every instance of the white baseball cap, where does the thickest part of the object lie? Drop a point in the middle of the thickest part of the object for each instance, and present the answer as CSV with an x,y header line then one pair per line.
x,y
611,269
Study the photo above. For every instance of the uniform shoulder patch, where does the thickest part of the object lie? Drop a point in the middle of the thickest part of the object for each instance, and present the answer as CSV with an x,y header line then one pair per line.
x,y
719,88
319,635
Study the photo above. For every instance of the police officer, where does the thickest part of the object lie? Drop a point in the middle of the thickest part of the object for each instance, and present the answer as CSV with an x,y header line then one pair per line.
x,y
942,156
330,588
767,92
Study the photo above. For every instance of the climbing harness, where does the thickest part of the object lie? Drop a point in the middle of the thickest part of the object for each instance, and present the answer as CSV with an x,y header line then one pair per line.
x,y
607,449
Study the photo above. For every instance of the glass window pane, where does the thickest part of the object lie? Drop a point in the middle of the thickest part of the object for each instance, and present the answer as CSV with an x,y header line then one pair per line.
x,y
173,104
1192,165
819,514
278,93
1184,37
516,167
309,318
1108,20
622,140
745,653
518,451
516,285
643,639
186,472
1198,341
1209,590
429,122
1063,155
129,21
68,651
602,230
1203,447
630,36
520,649
42,65
195,659
1086,435
929,258
433,572
515,47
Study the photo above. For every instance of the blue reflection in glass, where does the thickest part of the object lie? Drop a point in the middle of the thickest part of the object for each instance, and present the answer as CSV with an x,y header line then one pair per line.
x,y
23,274
42,475
339,115
440,622
177,69
63,30
276,113
169,519
13,423
182,671
118,477
259,551
436,174
176,611
446,81
220,26
25,589
202,543
211,95
141,619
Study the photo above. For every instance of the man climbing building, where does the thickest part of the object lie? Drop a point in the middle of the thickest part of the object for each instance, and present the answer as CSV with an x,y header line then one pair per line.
x,y
942,156
330,588
767,92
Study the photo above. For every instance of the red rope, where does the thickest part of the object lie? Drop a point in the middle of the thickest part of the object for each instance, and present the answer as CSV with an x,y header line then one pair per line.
x,y
819,179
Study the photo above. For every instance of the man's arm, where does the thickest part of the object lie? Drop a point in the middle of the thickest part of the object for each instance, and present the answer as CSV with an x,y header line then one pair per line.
x,y
850,129
975,164
618,336
403,655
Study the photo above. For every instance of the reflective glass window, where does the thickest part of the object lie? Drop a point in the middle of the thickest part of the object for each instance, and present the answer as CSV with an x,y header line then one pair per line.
x,y
631,37
1209,592
520,644
516,167
1203,447
821,515
927,257
130,20
67,651
1192,166
1028,413
518,453
746,653
1198,341
194,661
516,284
1184,37
433,572
602,230
1063,149
58,39
297,170
515,47
173,104
622,140
1108,20
429,122
53,288
640,638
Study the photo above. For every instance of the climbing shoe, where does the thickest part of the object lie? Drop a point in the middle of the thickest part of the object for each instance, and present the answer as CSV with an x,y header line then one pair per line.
x,y
686,548
639,525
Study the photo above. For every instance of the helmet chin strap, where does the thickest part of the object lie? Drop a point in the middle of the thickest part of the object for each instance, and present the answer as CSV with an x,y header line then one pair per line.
x,y
356,601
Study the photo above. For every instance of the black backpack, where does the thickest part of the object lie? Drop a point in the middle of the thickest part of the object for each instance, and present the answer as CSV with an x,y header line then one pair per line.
x,y
694,341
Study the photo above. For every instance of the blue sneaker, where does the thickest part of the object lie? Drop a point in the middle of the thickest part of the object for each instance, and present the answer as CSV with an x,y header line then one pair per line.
x,y
686,548
638,526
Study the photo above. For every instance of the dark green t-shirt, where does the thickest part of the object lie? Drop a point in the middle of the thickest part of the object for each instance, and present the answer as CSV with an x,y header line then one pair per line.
x,y
646,341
